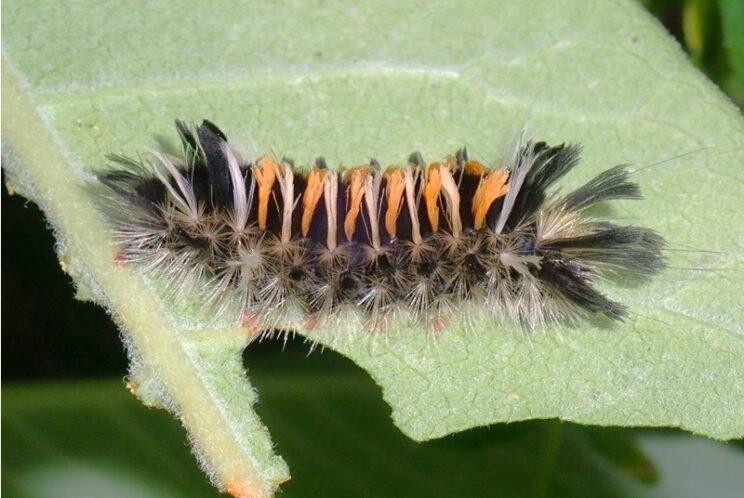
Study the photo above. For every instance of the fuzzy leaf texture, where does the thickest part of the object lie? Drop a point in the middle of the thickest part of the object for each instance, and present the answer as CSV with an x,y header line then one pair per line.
x,y
381,79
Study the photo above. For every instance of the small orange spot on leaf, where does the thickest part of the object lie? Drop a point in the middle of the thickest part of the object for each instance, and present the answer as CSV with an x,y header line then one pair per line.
x,y
119,260
438,324
311,321
249,322
239,489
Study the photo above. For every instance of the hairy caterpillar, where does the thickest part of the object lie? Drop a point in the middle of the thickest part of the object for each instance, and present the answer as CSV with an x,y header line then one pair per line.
x,y
412,240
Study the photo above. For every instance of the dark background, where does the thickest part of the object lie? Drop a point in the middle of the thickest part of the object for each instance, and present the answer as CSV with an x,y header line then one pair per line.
x,y
46,332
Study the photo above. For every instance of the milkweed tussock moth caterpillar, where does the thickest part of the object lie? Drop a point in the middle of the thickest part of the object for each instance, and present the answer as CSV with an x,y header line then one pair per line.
x,y
415,240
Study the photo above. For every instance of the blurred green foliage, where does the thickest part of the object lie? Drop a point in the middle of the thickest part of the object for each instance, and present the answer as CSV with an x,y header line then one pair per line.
x,y
93,439
712,33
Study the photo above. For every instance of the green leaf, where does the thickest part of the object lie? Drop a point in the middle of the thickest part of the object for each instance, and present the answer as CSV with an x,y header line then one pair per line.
x,y
82,78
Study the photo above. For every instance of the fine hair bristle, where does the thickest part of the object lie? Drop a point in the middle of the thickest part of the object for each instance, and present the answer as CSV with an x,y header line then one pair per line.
x,y
413,240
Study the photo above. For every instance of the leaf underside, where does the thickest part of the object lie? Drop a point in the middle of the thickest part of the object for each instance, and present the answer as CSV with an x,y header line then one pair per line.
x,y
381,81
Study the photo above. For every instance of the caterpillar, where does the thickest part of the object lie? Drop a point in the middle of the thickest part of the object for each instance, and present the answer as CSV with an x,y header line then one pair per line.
x,y
411,241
